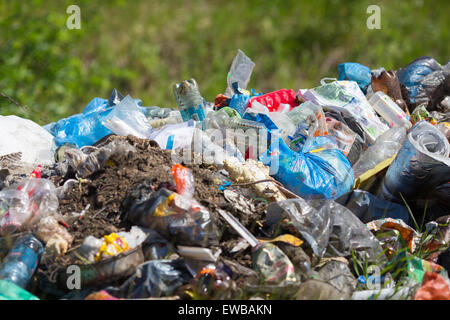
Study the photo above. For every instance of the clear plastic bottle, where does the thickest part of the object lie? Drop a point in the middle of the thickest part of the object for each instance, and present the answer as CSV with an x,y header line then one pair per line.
x,y
389,110
190,103
22,261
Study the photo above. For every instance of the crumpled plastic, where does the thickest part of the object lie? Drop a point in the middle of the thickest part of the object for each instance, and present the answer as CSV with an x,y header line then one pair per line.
x,y
411,75
86,164
367,207
421,164
329,228
434,287
156,278
35,145
175,217
24,206
319,170
355,72
240,72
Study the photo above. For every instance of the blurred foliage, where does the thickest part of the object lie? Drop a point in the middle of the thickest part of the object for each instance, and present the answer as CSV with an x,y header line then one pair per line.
x,y
143,47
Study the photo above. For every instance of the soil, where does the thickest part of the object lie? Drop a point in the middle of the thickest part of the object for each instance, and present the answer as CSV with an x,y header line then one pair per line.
x,y
102,196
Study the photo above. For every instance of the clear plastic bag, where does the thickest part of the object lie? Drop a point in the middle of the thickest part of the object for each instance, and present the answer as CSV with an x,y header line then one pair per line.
x,y
240,72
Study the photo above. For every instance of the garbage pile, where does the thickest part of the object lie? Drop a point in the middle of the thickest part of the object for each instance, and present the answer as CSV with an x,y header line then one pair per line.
x,y
340,191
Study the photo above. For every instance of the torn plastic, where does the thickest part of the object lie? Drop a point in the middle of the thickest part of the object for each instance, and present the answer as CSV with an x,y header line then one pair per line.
x,y
319,170
385,147
337,273
421,164
184,180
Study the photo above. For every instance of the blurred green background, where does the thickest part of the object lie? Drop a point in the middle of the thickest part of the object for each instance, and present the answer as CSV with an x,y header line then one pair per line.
x,y
143,47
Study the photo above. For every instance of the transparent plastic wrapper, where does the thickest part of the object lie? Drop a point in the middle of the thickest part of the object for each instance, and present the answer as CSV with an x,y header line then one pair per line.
x,y
412,74
184,180
421,164
312,115
240,72
175,217
24,206
273,266
34,143
126,118
389,110
355,72
339,95
367,207
329,228
385,147
343,135
319,170
85,164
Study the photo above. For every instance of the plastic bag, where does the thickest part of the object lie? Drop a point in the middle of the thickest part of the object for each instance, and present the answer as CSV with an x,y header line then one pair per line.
x,y
83,129
346,95
26,205
326,226
126,118
319,170
337,273
411,75
86,164
240,72
35,144
355,72
367,207
156,278
175,217
432,89
421,164
434,287
385,147
174,136
184,180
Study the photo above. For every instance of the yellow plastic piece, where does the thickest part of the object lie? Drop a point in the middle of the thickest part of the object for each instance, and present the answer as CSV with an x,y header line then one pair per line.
x,y
112,245
366,176
287,238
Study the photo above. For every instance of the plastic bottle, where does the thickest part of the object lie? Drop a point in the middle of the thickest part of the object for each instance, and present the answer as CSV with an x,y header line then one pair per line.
x,y
10,291
389,110
189,100
22,261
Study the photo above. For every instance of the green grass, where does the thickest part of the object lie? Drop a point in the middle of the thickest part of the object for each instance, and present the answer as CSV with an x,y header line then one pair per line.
x,y
143,47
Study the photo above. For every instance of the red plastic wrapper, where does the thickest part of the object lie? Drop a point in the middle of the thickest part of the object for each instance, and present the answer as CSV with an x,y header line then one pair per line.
x,y
434,287
184,180
273,100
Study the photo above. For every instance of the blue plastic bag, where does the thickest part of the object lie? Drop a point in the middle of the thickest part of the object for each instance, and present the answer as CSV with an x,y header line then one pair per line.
x,y
318,171
411,75
355,72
